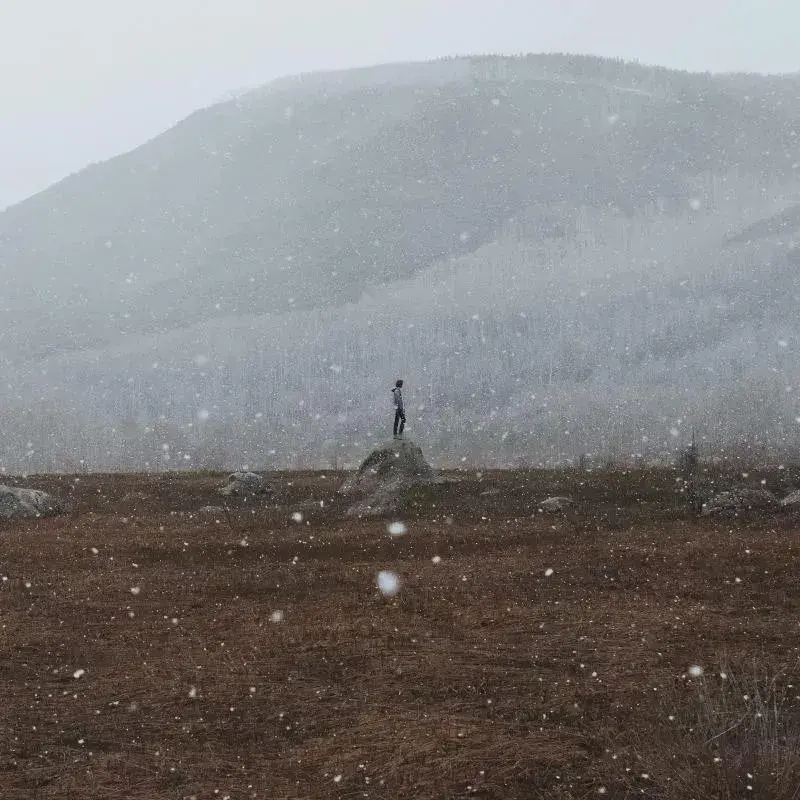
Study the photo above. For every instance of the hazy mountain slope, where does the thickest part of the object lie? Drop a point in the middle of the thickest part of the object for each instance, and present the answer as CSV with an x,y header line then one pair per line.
x,y
623,245
601,344
307,195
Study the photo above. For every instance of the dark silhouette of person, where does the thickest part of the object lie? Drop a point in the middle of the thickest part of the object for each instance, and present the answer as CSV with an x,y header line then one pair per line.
x,y
399,410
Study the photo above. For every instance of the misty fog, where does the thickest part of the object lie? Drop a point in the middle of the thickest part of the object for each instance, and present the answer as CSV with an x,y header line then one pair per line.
x,y
562,256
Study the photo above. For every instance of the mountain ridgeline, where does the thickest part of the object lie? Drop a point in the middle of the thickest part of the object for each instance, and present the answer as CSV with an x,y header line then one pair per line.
x,y
561,255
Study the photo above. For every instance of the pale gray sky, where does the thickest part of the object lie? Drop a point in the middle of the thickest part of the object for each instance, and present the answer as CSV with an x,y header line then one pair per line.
x,y
86,79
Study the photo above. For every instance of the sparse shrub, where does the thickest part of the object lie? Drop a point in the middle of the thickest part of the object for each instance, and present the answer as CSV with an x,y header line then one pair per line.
x,y
687,460
687,464
737,734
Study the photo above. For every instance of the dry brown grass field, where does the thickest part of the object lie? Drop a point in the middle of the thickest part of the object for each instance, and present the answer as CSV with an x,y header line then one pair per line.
x,y
140,659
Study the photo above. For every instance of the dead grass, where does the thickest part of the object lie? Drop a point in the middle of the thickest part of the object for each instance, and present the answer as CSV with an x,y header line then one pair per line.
x,y
736,733
482,678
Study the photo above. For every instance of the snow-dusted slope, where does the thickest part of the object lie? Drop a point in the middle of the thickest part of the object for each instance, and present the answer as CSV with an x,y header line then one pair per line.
x,y
560,255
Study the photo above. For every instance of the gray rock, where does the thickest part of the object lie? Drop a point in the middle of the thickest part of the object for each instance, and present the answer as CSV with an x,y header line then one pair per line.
x,y
792,501
244,484
17,503
555,505
382,482
740,501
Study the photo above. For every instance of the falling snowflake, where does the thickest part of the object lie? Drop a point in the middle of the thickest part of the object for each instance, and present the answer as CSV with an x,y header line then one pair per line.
x,y
297,517
388,583
696,671
79,673
437,559
276,616
203,414
136,589
193,692
548,572
396,528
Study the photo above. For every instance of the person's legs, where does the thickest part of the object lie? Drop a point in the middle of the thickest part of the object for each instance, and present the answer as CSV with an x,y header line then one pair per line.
x,y
397,415
402,423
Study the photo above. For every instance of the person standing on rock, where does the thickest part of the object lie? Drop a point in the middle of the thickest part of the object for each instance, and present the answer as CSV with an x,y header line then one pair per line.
x,y
399,410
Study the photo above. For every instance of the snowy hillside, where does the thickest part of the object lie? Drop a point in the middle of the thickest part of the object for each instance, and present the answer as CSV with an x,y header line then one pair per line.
x,y
560,255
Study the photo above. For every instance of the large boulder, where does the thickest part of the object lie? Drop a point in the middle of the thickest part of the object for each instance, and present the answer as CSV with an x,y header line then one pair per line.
x,y
736,502
244,484
17,503
382,482
792,501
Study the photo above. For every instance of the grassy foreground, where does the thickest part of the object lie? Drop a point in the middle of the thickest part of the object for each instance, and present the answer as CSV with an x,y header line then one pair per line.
x,y
143,656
